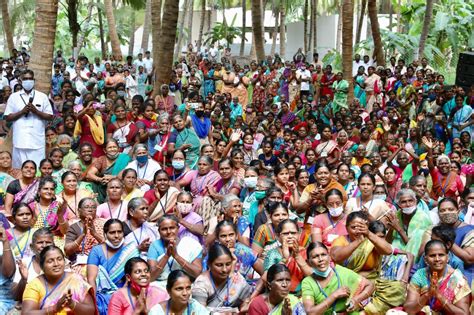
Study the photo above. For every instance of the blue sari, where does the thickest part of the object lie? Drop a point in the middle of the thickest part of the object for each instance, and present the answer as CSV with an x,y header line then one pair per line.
x,y
209,86
465,238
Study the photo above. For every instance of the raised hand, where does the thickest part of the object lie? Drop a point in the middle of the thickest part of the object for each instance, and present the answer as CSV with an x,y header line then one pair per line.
x,y
144,245
342,292
22,269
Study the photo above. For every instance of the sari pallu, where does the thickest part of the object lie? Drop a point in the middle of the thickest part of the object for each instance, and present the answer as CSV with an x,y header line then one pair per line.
x,y
260,306
187,136
203,204
27,194
119,164
21,246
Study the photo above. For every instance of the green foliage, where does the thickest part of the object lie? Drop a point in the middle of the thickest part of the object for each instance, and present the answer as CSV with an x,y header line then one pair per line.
x,y
223,32
333,58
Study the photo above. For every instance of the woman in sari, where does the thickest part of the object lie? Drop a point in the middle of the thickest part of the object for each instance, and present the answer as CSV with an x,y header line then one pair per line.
x,y
220,288
190,223
200,181
20,236
162,198
83,235
6,165
184,139
90,128
138,297
130,190
146,125
178,168
343,142
393,182
438,288
343,172
407,96
327,147
341,89
71,194
331,290
158,144
208,75
178,286
105,263
362,252
23,189
122,130
114,207
327,80
332,224
286,116
105,168
373,88
170,253
278,300
69,291
359,86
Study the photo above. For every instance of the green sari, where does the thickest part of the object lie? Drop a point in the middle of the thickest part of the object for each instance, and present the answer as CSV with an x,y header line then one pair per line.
x,y
188,136
119,165
341,89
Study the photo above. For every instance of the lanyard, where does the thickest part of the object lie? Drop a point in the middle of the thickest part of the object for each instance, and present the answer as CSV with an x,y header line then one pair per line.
x,y
334,224
110,211
188,309
166,203
22,252
144,173
45,222
200,187
48,293
75,203
134,236
361,205
83,241
226,299
446,183
324,293
180,175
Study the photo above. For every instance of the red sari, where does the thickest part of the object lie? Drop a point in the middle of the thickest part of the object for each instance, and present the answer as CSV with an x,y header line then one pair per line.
x,y
327,90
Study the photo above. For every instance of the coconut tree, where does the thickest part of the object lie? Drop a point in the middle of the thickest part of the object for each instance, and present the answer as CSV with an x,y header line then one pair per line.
x,y
244,24
164,53
363,4
85,29
257,22
155,27
43,43
305,25
201,24
114,39
146,26
282,29
7,25
374,24
181,16
190,21
426,26
347,34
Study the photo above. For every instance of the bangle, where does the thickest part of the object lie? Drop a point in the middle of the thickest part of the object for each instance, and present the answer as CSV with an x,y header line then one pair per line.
x,y
7,249
444,304
62,223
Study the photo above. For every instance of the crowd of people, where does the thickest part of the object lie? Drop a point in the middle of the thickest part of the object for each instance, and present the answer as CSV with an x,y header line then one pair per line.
x,y
260,188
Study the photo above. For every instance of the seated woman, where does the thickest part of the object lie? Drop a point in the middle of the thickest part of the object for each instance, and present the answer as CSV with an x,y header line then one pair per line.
x,y
6,165
170,253
7,270
161,198
138,297
332,224
190,223
178,167
76,168
20,235
180,301
331,290
23,189
83,235
220,288
362,251
289,253
138,231
57,291
105,264
438,288
146,167
185,139
72,194
56,157
265,237
130,190
114,207
277,301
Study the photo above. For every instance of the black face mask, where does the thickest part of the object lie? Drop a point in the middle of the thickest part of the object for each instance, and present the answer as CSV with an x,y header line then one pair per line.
x,y
200,113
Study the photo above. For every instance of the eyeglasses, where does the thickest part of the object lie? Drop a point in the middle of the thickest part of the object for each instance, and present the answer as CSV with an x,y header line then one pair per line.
x,y
89,207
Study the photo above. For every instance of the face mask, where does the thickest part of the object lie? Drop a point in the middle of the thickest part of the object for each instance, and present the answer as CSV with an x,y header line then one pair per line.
x,y
425,171
136,287
109,244
58,104
260,194
322,274
248,146
184,208
112,156
121,93
409,210
65,150
381,197
142,159
448,218
28,85
335,212
250,182
199,113
177,165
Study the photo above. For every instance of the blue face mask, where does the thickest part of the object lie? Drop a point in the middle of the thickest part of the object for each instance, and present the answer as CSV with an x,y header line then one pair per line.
x,y
322,274
177,165
142,159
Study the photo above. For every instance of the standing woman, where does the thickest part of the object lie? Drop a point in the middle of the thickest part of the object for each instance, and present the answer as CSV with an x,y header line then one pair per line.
x,y
130,190
90,128
21,234
57,291
184,139
23,189
122,130
114,207
162,198
71,195
220,287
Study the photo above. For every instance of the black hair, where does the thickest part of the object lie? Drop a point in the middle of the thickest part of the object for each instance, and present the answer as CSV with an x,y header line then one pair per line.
x,y
110,222
226,160
40,232
433,243
128,170
283,223
279,168
159,172
299,171
54,151
217,250
132,262
356,215
274,270
84,200
370,176
174,276
446,233
321,164
66,174
167,217
448,199
341,165
17,207
273,206
182,152
377,227
333,192
28,161
83,145
49,248
222,224
314,245
43,181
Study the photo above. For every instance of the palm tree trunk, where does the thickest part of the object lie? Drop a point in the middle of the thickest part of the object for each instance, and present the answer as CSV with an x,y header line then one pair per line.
x,y
166,41
7,26
361,20
201,25
305,26
399,17
426,26
282,29
339,28
182,15
390,17
257,22
275,28
347,37
131,43
43,43
102,35
374,23
74,27
114,39
314,17
146,26
190,21
244,25
87,23
156,32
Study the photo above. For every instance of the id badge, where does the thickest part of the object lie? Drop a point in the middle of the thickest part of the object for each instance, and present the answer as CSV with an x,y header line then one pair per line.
x,y
81,259
310,220
158,148
332,237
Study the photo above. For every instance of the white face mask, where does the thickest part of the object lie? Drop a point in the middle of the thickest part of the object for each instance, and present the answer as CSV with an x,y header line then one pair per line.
x,y
184,208
335,212
409,210
109,244
381,197
250,182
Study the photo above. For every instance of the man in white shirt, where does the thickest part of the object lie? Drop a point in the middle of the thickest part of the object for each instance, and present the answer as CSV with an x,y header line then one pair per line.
x,y
139,62
356,64
148,65
29,110
304,77
367,63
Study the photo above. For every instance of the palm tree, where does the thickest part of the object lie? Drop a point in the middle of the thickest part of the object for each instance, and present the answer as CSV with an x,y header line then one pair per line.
x,y
166,41
182,15
314,17
282,29
305,25
146,26
363,4
131,42
103,46
43,43
7,26
80,40
374,24
347,34
257,22
74,27
201,24
114,39
244,24
155,27
426,26
190,21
